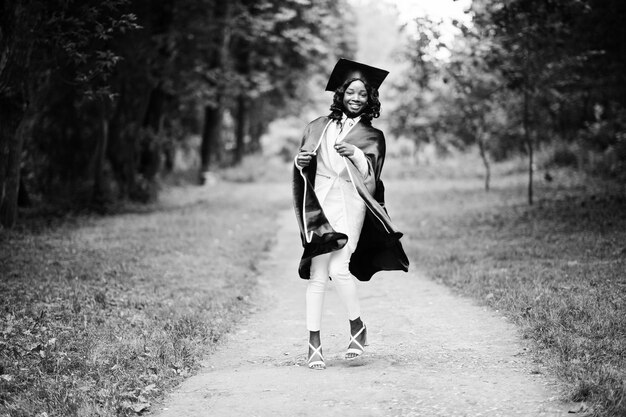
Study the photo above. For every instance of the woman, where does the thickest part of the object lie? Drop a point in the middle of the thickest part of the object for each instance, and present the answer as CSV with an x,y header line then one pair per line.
x,y
339,203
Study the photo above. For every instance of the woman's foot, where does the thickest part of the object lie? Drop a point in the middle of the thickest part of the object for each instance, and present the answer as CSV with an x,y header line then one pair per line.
x,y
358,339
316,359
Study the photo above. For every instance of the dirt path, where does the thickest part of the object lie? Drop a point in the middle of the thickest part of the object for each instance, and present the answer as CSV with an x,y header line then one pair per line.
x,y
431,354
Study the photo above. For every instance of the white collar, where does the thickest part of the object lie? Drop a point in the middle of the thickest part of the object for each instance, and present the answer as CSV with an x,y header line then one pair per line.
x,y
344,117
346,123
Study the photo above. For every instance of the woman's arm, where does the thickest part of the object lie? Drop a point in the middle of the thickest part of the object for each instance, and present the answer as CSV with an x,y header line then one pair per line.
x,y
303,159
356,155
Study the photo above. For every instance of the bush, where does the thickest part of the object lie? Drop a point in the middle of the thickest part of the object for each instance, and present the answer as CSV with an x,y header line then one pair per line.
x,y
563,155
605,143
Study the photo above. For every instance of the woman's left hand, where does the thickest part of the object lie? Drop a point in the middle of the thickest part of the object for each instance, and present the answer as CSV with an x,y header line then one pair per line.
x,y
345,149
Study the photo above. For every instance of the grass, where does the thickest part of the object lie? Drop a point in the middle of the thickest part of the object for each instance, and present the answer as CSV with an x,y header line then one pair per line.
x,y
557,268
102,315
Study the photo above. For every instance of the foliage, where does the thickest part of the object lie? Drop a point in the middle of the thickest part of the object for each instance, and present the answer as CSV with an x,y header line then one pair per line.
x,y
61,35
417,113
104,94
518,75
43,44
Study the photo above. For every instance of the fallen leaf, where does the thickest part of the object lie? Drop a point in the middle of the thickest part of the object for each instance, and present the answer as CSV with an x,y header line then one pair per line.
x,y
149,388
139,407
33,346
581,408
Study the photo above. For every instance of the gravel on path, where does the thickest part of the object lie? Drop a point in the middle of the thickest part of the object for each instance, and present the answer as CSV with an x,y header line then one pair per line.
x,y
431,353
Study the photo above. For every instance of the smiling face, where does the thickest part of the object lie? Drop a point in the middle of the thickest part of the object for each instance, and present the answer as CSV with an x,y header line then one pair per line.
x,y
355,98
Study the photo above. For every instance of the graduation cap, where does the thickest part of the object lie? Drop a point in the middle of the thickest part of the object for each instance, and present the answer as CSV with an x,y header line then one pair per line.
x,y
346,69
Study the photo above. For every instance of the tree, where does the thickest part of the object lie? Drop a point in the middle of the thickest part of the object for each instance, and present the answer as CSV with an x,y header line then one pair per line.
x,y
417,113
38,40
476,93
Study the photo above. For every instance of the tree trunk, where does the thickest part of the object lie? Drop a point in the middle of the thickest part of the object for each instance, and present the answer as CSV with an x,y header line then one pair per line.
x,y
120,149
210,149
150,156
11,144
256,131
211,139
16,44
528,137
240,129
23,198
99,186
529,144
485,159
256,126
7,133
240,56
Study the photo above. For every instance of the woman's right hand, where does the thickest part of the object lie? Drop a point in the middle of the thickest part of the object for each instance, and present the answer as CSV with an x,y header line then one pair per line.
x,y
303,158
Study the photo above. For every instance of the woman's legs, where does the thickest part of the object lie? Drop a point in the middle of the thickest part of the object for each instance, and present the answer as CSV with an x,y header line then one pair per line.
x,y
345,283
338,270
336,266
315,291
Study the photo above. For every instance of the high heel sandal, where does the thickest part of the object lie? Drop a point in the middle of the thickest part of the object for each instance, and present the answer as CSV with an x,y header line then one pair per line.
x,y
319,364
357,351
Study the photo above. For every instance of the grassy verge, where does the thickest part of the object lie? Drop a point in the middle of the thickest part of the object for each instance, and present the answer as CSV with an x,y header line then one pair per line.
x,y
557,268
101,316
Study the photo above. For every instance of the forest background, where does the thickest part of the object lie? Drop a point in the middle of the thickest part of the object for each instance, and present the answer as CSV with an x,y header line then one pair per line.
x,y
103,101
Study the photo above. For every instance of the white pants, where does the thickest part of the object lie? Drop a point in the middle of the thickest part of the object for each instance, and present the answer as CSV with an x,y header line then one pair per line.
x,y
345,211
335,265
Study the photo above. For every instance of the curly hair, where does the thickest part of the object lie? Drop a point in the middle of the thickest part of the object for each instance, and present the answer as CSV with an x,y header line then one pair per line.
x,y
371,110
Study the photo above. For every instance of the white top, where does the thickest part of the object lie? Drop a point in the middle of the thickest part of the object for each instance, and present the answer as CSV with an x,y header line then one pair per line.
x,y
336,133
331,167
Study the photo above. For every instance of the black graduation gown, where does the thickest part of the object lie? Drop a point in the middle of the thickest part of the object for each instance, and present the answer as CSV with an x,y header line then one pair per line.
x,y
379,247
